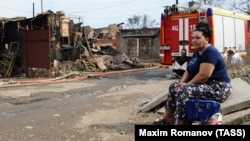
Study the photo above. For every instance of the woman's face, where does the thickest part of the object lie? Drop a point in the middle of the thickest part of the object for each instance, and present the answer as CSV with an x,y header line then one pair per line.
x,y
198,40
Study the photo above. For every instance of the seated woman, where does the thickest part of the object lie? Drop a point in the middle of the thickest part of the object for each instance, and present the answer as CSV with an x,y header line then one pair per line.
x,y
205,78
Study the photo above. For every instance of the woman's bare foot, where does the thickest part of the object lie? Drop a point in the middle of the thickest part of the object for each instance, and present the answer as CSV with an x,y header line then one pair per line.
x,y
167,118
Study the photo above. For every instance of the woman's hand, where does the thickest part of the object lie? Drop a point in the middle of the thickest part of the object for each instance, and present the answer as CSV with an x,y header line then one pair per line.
x,y
178,86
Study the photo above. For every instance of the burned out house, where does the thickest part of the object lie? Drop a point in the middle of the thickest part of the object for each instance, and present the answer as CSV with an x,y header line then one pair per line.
x,y
109,36
51,45
38,41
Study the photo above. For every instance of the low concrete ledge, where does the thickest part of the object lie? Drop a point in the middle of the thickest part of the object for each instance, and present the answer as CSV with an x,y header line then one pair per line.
x,y
237,118
162,97
239,99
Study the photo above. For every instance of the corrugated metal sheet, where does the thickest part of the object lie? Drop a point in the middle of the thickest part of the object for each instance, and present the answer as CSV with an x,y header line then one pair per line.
x,y
38,49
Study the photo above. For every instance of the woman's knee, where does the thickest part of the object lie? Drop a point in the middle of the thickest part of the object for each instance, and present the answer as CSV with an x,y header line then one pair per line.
x,y
184,89
173,85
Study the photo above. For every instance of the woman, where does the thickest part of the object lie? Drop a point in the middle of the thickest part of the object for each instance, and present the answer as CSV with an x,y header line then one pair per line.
x,y
205,78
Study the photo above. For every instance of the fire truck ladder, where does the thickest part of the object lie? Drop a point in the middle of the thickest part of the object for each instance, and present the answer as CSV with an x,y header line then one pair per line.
x,y
9,59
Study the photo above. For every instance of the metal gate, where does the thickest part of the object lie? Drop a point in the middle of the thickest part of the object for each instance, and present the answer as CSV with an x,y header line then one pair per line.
x,y
38,49
145,48
139,47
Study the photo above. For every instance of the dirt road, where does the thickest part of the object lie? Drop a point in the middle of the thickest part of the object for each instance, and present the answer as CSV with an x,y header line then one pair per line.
x,y
100,109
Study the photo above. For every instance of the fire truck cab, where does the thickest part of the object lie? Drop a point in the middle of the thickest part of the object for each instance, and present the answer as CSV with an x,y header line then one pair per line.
x,y
230,32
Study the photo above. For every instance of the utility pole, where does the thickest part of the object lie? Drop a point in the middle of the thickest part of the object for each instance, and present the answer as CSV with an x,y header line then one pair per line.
x,y
33,9
41,6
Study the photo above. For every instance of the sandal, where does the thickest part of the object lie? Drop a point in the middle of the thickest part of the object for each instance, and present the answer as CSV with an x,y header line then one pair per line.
x,y
161,121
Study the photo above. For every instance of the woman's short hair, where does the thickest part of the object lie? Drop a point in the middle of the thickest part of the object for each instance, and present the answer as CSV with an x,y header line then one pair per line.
x,y
230,51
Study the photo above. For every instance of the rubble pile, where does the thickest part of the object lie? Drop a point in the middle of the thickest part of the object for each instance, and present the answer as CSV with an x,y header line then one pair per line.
x,y
242,72
51,44
102,60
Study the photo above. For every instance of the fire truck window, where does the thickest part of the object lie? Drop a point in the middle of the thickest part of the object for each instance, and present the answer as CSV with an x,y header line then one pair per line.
x,y
183,42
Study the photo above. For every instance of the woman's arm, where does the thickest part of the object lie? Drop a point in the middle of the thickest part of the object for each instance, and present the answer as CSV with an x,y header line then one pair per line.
x,y
205,72
184,77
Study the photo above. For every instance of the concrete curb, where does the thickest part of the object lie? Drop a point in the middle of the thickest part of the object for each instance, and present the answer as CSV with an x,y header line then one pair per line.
x,y
237,118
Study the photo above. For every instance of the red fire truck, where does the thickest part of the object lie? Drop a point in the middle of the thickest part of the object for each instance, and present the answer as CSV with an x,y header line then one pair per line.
x,y
230,31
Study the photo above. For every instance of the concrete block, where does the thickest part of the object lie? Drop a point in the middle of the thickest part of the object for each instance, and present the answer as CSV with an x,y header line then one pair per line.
x,y
237,118
239,99
157,100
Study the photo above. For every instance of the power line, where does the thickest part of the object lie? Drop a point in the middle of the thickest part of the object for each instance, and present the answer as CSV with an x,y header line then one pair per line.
x,y
107,6
14,9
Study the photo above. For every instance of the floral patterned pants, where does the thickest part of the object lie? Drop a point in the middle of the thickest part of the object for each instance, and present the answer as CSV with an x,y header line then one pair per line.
x,y
212,90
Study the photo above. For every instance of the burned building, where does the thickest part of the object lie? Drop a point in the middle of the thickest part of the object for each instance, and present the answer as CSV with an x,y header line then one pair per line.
x,y
109,36
52,45
48,36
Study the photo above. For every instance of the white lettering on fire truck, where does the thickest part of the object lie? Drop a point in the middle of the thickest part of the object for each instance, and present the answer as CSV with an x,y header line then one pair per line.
x,y
175,27
192,27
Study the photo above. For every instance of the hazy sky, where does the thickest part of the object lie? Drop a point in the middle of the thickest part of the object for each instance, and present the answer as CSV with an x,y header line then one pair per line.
x,y
95,13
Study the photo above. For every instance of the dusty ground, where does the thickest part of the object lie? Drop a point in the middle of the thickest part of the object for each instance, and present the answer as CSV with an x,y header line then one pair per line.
x,y
116,122
100,109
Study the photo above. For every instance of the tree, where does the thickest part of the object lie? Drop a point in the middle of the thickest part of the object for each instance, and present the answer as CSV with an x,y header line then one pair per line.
x,y
137,22
215,3
241,6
